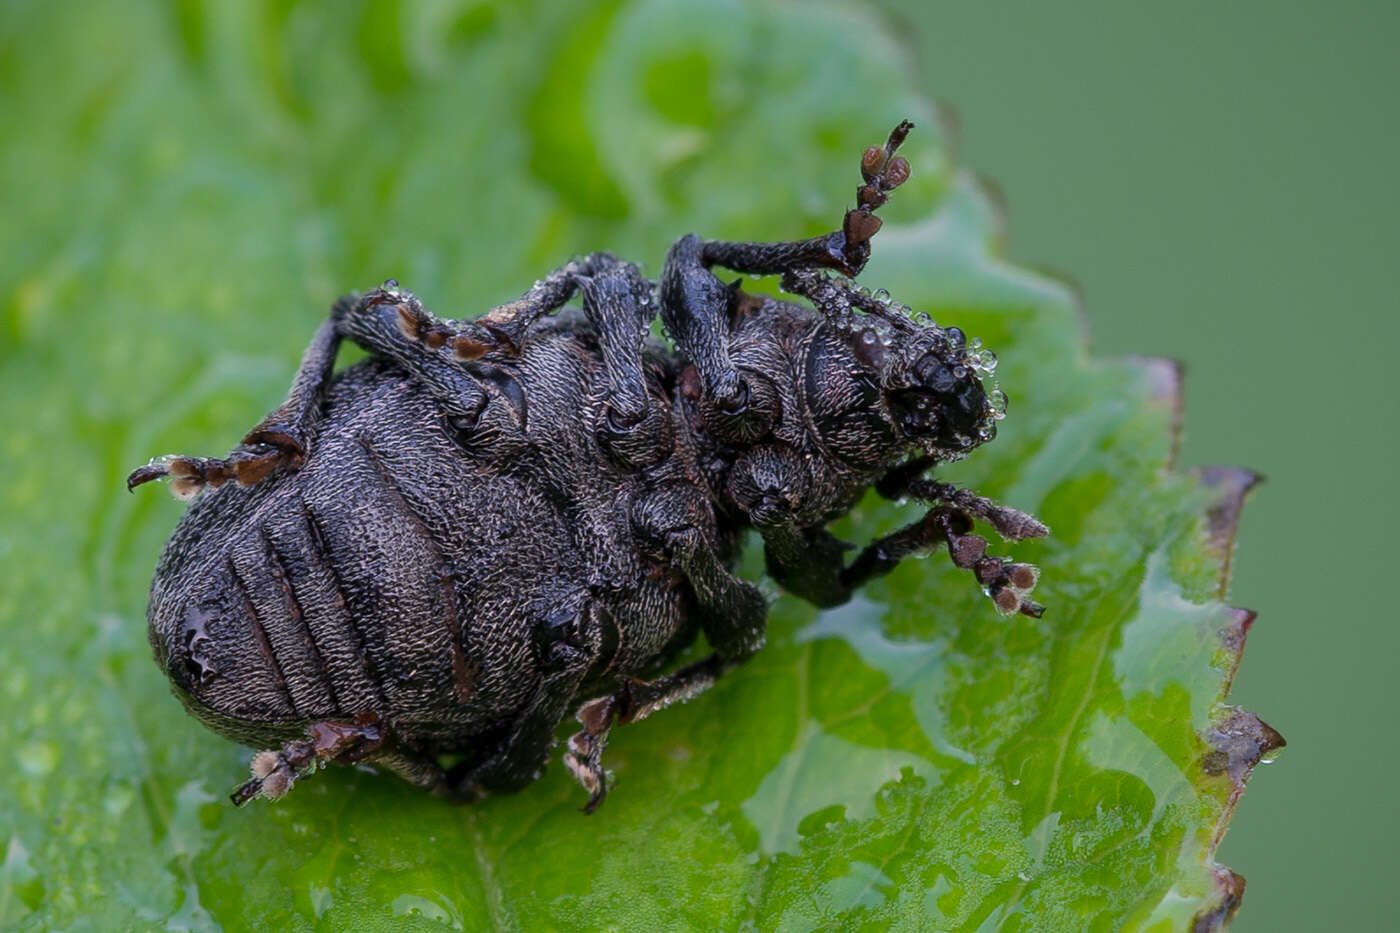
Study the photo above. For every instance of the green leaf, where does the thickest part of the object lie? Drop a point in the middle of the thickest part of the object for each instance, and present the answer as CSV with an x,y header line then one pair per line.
x,y
187,187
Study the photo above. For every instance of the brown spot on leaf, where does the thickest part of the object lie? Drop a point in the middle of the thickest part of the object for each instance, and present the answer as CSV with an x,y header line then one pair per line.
x,y
1237,743
1232,636
1229,891
1228,487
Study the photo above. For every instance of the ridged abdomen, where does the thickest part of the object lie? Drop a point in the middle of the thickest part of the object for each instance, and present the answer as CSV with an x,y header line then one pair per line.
x,y
370,581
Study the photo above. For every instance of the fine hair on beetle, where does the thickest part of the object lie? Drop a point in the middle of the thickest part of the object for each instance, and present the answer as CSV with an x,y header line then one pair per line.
x,y
429,560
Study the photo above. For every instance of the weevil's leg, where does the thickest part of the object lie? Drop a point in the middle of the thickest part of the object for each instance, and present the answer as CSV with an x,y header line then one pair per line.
x,y
422,771
383,322
617,300
571,643
733,613
279,441
695,311
895,483
275,771
808,562
1006,582
636,700
632,428
503,328
836,297
550,293
695,304
845,250
1011,524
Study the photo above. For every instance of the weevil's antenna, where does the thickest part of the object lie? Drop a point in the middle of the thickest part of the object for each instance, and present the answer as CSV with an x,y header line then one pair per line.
x,y
835,297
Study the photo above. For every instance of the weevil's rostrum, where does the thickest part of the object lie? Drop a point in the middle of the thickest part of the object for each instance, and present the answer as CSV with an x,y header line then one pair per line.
x,y
440,553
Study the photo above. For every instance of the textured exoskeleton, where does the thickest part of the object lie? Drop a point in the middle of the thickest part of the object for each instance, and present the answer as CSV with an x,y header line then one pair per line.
x,y
448,548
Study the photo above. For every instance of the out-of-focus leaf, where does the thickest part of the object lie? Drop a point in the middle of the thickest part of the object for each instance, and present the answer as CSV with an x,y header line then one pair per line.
x,y
188,185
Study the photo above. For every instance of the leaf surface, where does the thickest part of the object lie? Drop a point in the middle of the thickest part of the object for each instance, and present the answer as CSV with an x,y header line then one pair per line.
x,y
178,218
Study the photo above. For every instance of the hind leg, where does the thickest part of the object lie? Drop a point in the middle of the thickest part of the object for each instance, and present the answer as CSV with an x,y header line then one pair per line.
x,y
618,302
569,643
282,440
278,441
635,701
732,613
276,770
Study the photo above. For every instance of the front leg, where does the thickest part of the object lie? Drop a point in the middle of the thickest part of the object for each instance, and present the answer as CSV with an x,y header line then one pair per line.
x,y
808,562
907,480
695,304
1006,582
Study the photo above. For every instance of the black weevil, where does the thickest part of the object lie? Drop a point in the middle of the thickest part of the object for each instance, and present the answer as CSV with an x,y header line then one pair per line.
x,y
448,547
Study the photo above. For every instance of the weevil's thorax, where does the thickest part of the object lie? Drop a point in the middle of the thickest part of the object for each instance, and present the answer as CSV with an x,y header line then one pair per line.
x,y
784,463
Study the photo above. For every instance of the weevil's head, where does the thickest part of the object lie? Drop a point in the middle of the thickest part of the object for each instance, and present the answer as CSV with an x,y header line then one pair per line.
x,y
834,400
880,387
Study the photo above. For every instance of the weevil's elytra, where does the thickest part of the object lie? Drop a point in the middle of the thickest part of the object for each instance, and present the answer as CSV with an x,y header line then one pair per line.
x,y
453,545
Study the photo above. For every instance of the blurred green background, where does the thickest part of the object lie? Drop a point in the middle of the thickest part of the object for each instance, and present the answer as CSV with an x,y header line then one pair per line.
x,y
1220,178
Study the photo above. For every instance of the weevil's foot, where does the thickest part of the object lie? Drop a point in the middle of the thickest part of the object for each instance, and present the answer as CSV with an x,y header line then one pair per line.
x,y
584,761
248,465
882,171
187,475
584,755
274,772
468,340
1006,582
